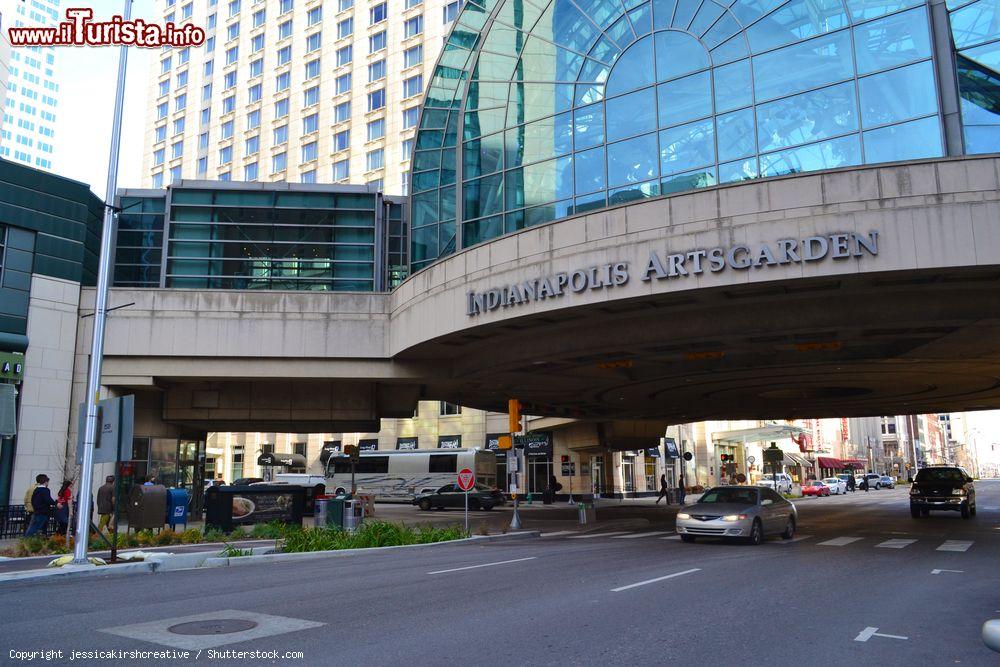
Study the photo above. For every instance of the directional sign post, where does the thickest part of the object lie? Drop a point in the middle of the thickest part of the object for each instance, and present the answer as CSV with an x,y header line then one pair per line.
x,y
466,480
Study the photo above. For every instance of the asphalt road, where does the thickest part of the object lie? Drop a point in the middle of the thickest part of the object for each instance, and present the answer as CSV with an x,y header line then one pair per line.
x,y
904,592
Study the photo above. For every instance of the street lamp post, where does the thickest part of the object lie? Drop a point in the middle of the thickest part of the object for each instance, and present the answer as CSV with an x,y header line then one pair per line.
x,y
100,316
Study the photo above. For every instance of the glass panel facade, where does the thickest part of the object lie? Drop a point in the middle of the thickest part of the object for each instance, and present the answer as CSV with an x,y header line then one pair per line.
x,y
612,100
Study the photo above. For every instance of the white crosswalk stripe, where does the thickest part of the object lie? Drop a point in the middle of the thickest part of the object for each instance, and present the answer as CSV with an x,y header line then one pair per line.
x,y
591,535
955,545
559,532
840,541
793,540
895,544
671,537
637,535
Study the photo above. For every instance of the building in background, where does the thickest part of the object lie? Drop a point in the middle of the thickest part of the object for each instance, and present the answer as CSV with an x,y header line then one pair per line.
x,y
27,134
5,15
289,90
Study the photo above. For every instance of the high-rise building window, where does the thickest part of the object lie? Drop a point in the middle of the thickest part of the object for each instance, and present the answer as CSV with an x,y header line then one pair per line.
x,y
285,29
314,42
345,55
281,108
376,183
410,4
257,43
413,27
178,126
158,179
177,150
376,99
202,166
206,115
208,68
284,55
252,145
450,11
211,21
182,79
342,112
376,70
375,159
314,15
164,87
175,174
286,6
187,10
279,162
310,96
158,155
407,149
282,81
308,176
344,5
183,56
234,8
312,69
413,55
342,140
376,42
227,130
232,31
310,123
345,28
253,119
341,170
342,84
229,104
377,14
232,55
210,44
165,65
448,409
413,86
280,135
225,176
250,172
203,140
410,117
310,151
161,134
256,67
376,129
161,110
254,93
206,92
404,185
259,17
225,155
229,80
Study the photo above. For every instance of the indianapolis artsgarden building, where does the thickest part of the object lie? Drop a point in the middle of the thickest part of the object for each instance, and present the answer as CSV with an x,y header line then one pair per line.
x,y
540,109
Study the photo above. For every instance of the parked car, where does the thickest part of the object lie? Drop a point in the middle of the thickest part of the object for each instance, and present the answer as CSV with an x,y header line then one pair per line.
x,y
747,512
246,481
943,488
815,488
480,497
874,481
837,485
887,482
784,482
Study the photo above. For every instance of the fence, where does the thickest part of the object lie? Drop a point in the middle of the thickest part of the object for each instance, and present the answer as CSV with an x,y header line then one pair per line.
x,y
14,521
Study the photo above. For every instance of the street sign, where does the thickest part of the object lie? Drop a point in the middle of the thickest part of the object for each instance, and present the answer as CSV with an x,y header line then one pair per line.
x,y
751,459
466,479
115,419
773,455
569,469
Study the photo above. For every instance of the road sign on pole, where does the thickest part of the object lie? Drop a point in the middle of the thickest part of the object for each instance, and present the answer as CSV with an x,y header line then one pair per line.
x,y
466,480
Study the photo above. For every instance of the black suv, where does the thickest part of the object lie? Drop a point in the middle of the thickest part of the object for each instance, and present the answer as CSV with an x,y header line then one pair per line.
x,y
943,488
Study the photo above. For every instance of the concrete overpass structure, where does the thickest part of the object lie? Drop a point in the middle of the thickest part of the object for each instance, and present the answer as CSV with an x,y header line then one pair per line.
x,y
849,292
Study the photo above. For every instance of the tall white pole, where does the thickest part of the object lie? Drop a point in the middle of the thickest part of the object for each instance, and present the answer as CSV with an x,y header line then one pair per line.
x,y
100,313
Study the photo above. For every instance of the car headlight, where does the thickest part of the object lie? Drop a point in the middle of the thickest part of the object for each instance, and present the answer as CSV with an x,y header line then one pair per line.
x,y
958,492
734,517
683,515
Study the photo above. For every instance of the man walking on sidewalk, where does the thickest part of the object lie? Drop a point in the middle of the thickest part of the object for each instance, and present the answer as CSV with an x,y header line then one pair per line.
x,y
42,504
663,490
680,490
106,502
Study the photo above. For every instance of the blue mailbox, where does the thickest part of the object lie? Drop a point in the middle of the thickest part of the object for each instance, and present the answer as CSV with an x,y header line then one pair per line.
x,y
177,507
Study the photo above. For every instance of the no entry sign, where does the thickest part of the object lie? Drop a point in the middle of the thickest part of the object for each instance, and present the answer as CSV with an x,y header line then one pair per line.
x,y
466,479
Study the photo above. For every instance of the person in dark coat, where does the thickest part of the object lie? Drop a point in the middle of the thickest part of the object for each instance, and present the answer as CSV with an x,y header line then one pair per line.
x,y
106,502
42,505
663,490
681,491
850,483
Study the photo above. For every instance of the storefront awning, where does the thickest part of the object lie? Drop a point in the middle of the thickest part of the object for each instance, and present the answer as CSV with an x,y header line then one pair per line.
x,y
858,464
284,460
761,434
799,460
829,462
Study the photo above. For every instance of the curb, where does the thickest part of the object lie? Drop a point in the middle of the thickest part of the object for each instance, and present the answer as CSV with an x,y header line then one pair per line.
x,y
165,562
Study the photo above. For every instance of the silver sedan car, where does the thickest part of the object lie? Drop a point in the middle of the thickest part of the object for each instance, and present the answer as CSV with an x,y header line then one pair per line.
x,y
748,512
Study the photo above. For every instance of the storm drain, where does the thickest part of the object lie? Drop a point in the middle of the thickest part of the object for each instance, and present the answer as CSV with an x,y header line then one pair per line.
x,y
215,626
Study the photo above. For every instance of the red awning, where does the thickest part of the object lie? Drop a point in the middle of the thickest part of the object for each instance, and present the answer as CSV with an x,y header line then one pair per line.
x,y
857,463
829,462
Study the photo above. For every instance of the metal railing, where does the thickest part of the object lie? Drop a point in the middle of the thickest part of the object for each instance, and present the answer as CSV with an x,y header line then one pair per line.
x,y
14,521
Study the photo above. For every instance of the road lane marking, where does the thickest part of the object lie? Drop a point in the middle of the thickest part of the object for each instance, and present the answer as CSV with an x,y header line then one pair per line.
x,y
955,545
671,537
473,567
653,581
794,539
870,632
638,535
590,535
940,571
560,532
895,544
840,541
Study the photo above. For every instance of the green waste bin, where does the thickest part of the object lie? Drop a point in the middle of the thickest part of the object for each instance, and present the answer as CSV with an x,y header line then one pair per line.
x,y
335,511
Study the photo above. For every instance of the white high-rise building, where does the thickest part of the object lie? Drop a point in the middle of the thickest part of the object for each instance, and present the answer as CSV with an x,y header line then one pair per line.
x,y
27,134
293,90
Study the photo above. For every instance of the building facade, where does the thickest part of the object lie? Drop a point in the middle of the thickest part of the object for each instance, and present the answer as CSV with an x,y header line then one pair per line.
x,y
571,107
293,90
27,135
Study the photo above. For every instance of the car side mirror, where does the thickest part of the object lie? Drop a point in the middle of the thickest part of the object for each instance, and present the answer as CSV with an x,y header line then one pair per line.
x,y
767,501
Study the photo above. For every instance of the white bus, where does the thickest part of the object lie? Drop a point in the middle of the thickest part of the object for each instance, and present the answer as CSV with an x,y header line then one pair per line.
x,y
401,475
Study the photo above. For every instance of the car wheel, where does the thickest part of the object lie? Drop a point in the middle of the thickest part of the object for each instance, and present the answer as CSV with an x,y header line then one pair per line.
x,y
756,533
878,486
687,538
789,529
966,513
914,512
425,505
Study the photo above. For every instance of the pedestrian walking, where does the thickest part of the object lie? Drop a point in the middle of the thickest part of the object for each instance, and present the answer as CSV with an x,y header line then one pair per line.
x,y
28,511
42,506
680,489
63,500
106,502
850,483
663,490
864,484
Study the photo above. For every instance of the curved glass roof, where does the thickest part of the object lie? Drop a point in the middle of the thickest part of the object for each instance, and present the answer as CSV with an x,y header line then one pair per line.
x,y
539,109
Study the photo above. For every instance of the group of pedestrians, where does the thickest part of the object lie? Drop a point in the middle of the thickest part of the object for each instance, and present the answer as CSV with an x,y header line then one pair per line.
x,y
665,490
41,506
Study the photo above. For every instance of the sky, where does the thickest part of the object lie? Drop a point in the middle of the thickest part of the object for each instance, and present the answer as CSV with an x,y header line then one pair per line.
x,y
87,78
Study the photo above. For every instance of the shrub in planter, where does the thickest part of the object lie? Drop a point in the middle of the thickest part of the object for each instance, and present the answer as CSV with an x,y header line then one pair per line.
x,y
145,538
191,536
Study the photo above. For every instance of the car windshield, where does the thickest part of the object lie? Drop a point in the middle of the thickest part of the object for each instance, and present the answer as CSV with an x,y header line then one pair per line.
x,y
952,475
769,477
730,495
815,483
831,481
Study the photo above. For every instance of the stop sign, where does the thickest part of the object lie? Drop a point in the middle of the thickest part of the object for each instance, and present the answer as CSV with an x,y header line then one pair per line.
x,y
466,479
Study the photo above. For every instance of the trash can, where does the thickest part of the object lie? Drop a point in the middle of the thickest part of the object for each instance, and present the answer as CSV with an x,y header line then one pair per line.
x,y
319,513
177,507
587,514
147,507
335,512
354,514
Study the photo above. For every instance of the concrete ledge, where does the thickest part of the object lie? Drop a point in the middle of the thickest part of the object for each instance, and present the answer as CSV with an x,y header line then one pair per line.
x,y
76,571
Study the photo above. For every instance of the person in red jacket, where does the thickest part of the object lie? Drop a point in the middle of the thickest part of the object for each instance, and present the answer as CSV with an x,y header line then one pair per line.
x,y
63,500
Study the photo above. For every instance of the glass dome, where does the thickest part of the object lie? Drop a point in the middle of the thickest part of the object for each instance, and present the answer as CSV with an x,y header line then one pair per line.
x,y
539,109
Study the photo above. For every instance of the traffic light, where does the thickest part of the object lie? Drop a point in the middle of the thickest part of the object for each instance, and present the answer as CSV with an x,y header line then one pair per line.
x,y
504,442
564,458
726,458
514,411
